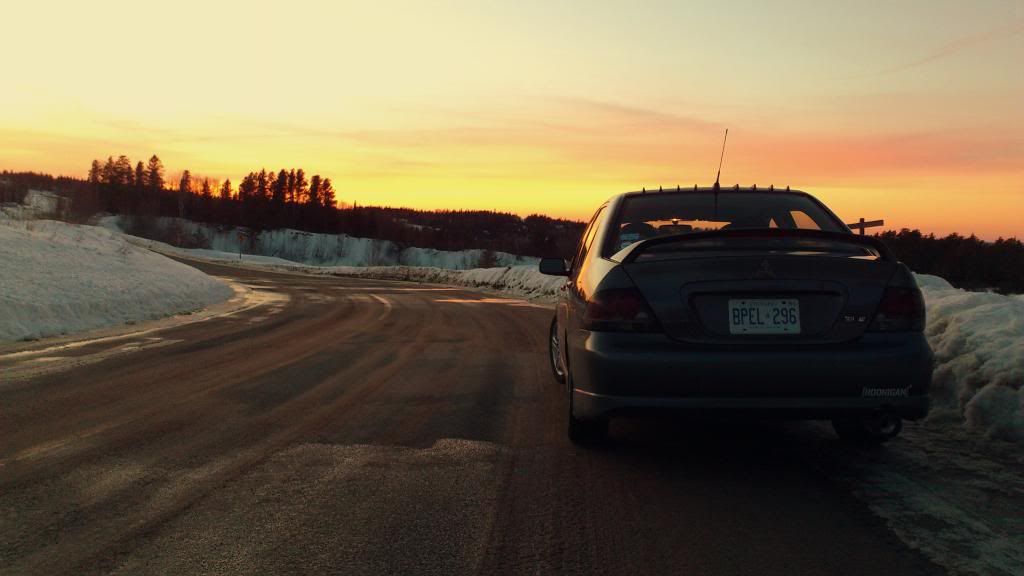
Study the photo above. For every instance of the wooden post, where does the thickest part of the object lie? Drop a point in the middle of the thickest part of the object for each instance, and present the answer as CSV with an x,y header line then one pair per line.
x,y
863,225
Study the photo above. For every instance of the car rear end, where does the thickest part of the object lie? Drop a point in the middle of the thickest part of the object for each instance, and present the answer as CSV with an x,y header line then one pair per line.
x,y
768,318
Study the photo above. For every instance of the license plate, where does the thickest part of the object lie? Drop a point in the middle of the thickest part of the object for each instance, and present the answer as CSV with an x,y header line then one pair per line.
x,y
764,316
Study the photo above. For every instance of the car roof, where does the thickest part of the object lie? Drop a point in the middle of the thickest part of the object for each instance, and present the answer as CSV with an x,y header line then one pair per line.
x,y
734,188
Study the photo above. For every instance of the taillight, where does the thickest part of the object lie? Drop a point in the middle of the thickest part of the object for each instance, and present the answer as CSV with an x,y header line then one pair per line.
x,y
619,310
900,310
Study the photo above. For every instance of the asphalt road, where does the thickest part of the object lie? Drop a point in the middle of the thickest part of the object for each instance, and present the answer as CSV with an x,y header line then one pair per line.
x,y
367,427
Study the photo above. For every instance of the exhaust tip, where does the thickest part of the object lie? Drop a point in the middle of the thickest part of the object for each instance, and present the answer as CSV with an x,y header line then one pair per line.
x,y
883,424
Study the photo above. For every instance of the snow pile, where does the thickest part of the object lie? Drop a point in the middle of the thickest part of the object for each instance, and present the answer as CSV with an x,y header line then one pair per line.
x,y
37,204
928,281
58,278
314,249
525,281
978,339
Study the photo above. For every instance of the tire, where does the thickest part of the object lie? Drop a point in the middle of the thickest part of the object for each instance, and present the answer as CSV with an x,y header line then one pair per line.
x,y
585,432
555,353
873,430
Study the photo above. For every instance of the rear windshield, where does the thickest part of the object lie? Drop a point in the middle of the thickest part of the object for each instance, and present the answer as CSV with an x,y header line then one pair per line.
x,y
647,216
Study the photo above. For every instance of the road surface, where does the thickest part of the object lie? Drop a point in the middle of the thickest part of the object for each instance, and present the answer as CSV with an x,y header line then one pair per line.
x,y
367,427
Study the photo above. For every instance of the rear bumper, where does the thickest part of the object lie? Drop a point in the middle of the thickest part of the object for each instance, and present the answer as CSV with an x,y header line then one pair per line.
x,y
617,373
588,405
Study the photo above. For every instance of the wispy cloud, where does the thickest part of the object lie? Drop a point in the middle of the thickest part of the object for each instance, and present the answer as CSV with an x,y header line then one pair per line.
x,y
960,44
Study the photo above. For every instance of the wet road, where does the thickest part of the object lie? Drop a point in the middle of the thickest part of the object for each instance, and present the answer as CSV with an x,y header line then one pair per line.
x,y
366,427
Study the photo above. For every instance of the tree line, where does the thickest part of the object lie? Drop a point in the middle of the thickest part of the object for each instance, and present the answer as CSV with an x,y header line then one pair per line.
x,y
965,261
287,198
142,192
120,173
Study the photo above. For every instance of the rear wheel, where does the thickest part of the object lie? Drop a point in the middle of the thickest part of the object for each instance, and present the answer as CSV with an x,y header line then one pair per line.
x,y
870,430
555,353
585,432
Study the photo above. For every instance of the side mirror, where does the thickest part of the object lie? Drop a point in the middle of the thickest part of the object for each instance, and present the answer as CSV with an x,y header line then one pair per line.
x,y
553,267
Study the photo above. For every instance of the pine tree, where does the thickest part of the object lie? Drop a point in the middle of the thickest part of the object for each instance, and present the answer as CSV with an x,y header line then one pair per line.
x,y
123,170
279,190
155,174
291,187
108,175
327,194
206,191
185,184
140,175
95,172
313,197
225,190
247,189
262,192
300,185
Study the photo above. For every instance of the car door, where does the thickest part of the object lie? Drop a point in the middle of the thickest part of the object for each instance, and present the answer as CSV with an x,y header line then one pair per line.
x,y
567,299
575,295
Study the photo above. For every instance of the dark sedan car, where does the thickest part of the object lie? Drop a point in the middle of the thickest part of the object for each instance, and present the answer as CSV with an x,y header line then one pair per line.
x,y
709,301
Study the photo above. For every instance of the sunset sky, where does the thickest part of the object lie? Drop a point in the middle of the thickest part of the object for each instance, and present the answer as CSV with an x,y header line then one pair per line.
x,y
912,111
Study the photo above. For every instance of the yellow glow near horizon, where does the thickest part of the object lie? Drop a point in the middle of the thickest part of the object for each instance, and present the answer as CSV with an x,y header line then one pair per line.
x,y
911,114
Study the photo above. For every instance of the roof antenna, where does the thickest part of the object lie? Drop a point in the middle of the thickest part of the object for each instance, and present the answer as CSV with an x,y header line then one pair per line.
x,y
719,174
720,158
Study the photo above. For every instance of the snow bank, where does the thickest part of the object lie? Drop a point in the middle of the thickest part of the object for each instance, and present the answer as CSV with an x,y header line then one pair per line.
x,y
978,339
928,281
36,204
57,278
316,249
524,281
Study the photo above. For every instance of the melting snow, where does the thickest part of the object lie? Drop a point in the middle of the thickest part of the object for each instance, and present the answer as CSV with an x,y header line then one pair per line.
x,y
978,339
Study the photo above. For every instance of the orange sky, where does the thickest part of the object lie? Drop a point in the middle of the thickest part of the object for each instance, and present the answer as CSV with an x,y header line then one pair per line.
x,y
909,111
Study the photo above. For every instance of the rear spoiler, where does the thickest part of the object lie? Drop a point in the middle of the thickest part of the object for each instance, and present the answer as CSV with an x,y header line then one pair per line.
x,y
632,252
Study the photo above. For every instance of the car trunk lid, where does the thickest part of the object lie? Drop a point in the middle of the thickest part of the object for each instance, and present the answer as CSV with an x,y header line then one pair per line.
x,y
699,286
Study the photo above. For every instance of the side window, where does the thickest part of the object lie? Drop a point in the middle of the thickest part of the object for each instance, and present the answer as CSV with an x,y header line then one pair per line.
x,y
803,220
592,232
586,241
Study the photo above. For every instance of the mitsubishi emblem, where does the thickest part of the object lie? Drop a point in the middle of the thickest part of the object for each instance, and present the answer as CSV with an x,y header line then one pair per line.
x,y
765,271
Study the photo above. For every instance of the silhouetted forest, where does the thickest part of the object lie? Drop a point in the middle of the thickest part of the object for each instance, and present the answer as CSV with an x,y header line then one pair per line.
x,y
966,261
287,198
